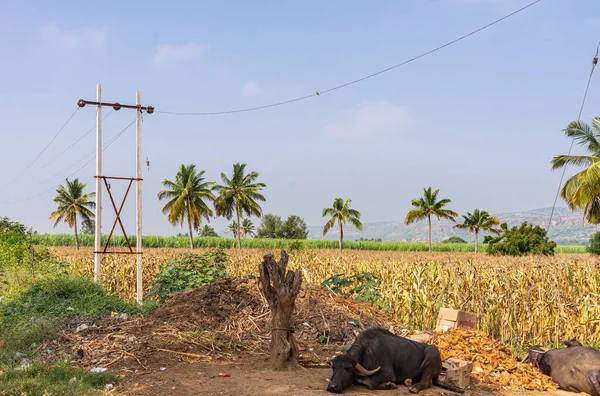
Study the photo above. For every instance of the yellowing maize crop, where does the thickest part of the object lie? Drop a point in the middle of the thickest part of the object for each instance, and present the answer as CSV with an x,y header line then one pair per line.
x,y
534,299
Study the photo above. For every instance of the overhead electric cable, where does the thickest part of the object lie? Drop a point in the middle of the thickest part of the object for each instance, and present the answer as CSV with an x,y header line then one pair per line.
x,y
44,149
111,141
77,141
587,87
319,93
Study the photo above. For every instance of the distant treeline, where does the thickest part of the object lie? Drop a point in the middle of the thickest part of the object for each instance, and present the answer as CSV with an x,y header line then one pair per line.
x,y
257,243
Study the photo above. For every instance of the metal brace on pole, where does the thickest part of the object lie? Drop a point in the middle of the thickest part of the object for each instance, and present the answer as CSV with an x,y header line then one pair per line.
x,y
138,178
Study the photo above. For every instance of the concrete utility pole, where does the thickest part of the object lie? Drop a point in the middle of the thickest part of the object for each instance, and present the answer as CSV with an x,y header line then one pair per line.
x,y
138,178
138,188
98,216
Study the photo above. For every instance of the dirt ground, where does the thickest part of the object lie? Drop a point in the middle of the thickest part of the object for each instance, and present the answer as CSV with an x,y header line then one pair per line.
x,y
251,378
181,347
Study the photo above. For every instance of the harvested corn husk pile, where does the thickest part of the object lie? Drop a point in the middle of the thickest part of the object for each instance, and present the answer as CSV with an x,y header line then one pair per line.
x,y
221,321
493,363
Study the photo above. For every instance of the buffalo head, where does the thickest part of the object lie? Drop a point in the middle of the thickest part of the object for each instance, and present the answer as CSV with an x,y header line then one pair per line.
x,y
533,356
344,370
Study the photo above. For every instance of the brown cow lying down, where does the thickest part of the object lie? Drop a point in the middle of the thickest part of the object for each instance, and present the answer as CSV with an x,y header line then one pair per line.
x,y
575,368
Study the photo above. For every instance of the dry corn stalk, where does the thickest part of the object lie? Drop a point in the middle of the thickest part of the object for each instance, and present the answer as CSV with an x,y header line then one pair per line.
x,y
515,299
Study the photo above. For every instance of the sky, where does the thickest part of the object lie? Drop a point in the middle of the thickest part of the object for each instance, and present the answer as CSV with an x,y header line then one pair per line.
x,y
480,120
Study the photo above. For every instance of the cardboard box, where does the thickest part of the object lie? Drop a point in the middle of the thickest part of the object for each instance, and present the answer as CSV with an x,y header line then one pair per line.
x,y
449,318
421,337
457,373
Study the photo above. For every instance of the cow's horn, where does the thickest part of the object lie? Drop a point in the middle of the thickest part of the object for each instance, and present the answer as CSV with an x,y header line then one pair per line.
x,y
364,371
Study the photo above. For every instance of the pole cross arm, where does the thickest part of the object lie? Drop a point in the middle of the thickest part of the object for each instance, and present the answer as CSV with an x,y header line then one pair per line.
x,y
117,106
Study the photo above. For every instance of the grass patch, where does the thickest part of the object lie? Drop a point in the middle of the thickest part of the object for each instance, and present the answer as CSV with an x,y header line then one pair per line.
x,y
55,379
35,315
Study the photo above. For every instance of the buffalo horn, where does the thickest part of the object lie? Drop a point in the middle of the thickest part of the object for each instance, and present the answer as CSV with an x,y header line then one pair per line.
x,y
364,371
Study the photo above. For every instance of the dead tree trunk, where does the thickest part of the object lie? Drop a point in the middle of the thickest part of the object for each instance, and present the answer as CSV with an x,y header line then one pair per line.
x,y
280,290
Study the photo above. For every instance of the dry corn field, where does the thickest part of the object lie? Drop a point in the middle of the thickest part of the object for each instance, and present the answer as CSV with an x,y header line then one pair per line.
x,y
530,299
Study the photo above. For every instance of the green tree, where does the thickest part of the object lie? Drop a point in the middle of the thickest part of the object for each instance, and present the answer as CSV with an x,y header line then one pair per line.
x,y
207,231
233,228
341,212
270,227
294,227
582,190
88,227
239,195
427,206
520,241
247,228
273,227
454,239
477,222
186,198
72,201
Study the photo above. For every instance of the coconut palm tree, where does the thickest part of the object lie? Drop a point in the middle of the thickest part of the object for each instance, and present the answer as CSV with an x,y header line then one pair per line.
x,y
73,201
239,195
247,228
582,190
207,231
477,222
233,228
427,206
186,198
341,212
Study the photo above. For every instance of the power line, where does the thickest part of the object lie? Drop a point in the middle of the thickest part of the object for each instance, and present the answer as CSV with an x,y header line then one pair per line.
x,y
75,142
319,93
594,62
111,141
44,149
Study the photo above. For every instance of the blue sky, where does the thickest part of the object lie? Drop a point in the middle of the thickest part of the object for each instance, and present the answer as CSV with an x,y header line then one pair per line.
x,y
480,120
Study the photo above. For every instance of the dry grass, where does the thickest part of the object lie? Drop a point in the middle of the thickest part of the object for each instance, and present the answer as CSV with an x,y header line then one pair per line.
x,y
518,300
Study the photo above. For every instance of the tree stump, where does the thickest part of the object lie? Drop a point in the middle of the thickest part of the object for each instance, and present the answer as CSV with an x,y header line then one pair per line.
x,y
280,290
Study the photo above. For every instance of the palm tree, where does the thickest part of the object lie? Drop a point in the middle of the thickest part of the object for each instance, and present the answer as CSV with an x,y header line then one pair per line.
x,y
247,228
429,205
239,195
341,212
207,231
582,190
233,228
72,201
477,222
186,197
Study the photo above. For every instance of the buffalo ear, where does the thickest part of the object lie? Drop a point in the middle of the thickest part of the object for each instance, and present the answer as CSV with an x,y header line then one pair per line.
x,y
364,371
572,343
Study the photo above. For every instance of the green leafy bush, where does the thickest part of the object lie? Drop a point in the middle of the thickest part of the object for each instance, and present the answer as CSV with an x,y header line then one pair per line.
x,y
13,243
520,241
361,287
188,271
594,247
454,239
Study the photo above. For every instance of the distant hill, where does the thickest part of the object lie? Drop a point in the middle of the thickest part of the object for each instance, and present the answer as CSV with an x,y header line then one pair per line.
x,y
566,228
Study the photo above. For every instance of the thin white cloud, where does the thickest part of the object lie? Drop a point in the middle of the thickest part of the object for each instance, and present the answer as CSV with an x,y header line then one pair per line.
x,y
370,119
86,37
175,53
251,88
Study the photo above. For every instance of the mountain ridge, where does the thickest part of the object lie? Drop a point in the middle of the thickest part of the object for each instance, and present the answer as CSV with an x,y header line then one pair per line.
x,y
566,228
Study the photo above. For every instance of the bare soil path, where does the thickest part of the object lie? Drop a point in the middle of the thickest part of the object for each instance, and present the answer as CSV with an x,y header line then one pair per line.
x,y
251,378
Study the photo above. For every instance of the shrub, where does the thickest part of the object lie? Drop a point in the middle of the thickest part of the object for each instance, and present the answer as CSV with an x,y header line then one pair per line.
x,y
361,287
454,239
187,271
594,247
520,241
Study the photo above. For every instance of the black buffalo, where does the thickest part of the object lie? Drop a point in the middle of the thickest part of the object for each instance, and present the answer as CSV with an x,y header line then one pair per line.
x,y
379,359
575,368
